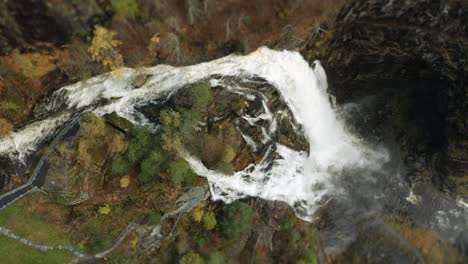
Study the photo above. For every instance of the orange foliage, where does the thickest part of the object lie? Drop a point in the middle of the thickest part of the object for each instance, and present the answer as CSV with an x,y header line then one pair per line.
x,y
32,65
5,127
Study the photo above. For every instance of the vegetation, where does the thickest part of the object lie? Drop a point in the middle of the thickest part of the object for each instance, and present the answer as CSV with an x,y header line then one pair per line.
x,y
154,44
209,220
124,182
181,173
433,248
216,257
237,219
5,127
20,253
104,48
191,258
105,210
126,8
22,218
120,165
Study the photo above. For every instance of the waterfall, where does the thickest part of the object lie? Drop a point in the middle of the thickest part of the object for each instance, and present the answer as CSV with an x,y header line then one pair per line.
x,y
300,179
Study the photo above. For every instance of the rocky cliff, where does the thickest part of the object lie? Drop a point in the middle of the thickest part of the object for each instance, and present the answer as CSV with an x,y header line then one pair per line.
x,y
406,61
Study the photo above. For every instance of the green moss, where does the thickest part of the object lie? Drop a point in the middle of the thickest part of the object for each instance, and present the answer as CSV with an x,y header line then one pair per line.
x,y
9,106
226,168
126,8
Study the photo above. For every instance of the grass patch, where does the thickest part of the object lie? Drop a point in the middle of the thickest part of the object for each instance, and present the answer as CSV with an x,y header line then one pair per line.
x,y
19,253
18,218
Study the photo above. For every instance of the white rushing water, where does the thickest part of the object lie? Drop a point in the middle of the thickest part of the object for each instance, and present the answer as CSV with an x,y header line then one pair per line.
x,y
301,180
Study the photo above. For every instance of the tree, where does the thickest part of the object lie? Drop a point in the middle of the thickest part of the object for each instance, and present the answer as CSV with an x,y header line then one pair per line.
x,y
124,182
216,257
237,219
209,220
181,173
120,166
104,48
191,258
126,8
141,143
152,165
154,45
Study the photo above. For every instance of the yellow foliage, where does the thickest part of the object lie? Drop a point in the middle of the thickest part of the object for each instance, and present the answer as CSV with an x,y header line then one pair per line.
x,y
98,141
154,45
198,212
124,181
118,144
5,127
104,48
197,215
229,154
105,210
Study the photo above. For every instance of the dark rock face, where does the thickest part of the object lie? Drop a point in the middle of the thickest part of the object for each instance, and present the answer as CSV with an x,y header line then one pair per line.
x,y
406,62
24,22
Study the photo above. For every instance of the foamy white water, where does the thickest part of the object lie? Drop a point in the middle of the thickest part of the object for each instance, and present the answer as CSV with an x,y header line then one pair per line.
x,y
298,179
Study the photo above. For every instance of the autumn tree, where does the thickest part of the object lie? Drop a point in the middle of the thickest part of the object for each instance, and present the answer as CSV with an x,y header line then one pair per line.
x,y
154,45
104,48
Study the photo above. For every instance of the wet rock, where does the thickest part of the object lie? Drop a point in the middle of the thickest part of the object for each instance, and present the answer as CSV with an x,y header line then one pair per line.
x,y
139,80
405,63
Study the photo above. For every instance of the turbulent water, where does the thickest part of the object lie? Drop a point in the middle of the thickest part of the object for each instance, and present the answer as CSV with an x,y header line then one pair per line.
x,y
303,180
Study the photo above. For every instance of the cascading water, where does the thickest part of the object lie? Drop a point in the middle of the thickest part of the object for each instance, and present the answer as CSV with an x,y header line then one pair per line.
x,y
302,180
296,178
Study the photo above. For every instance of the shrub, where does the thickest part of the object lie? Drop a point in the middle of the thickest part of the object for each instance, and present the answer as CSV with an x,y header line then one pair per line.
x,y
237,219
126,8
154,218
216,257
310,256
120,166
229,154
181,173
5,127
105,210
191,258
124,182
209,220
